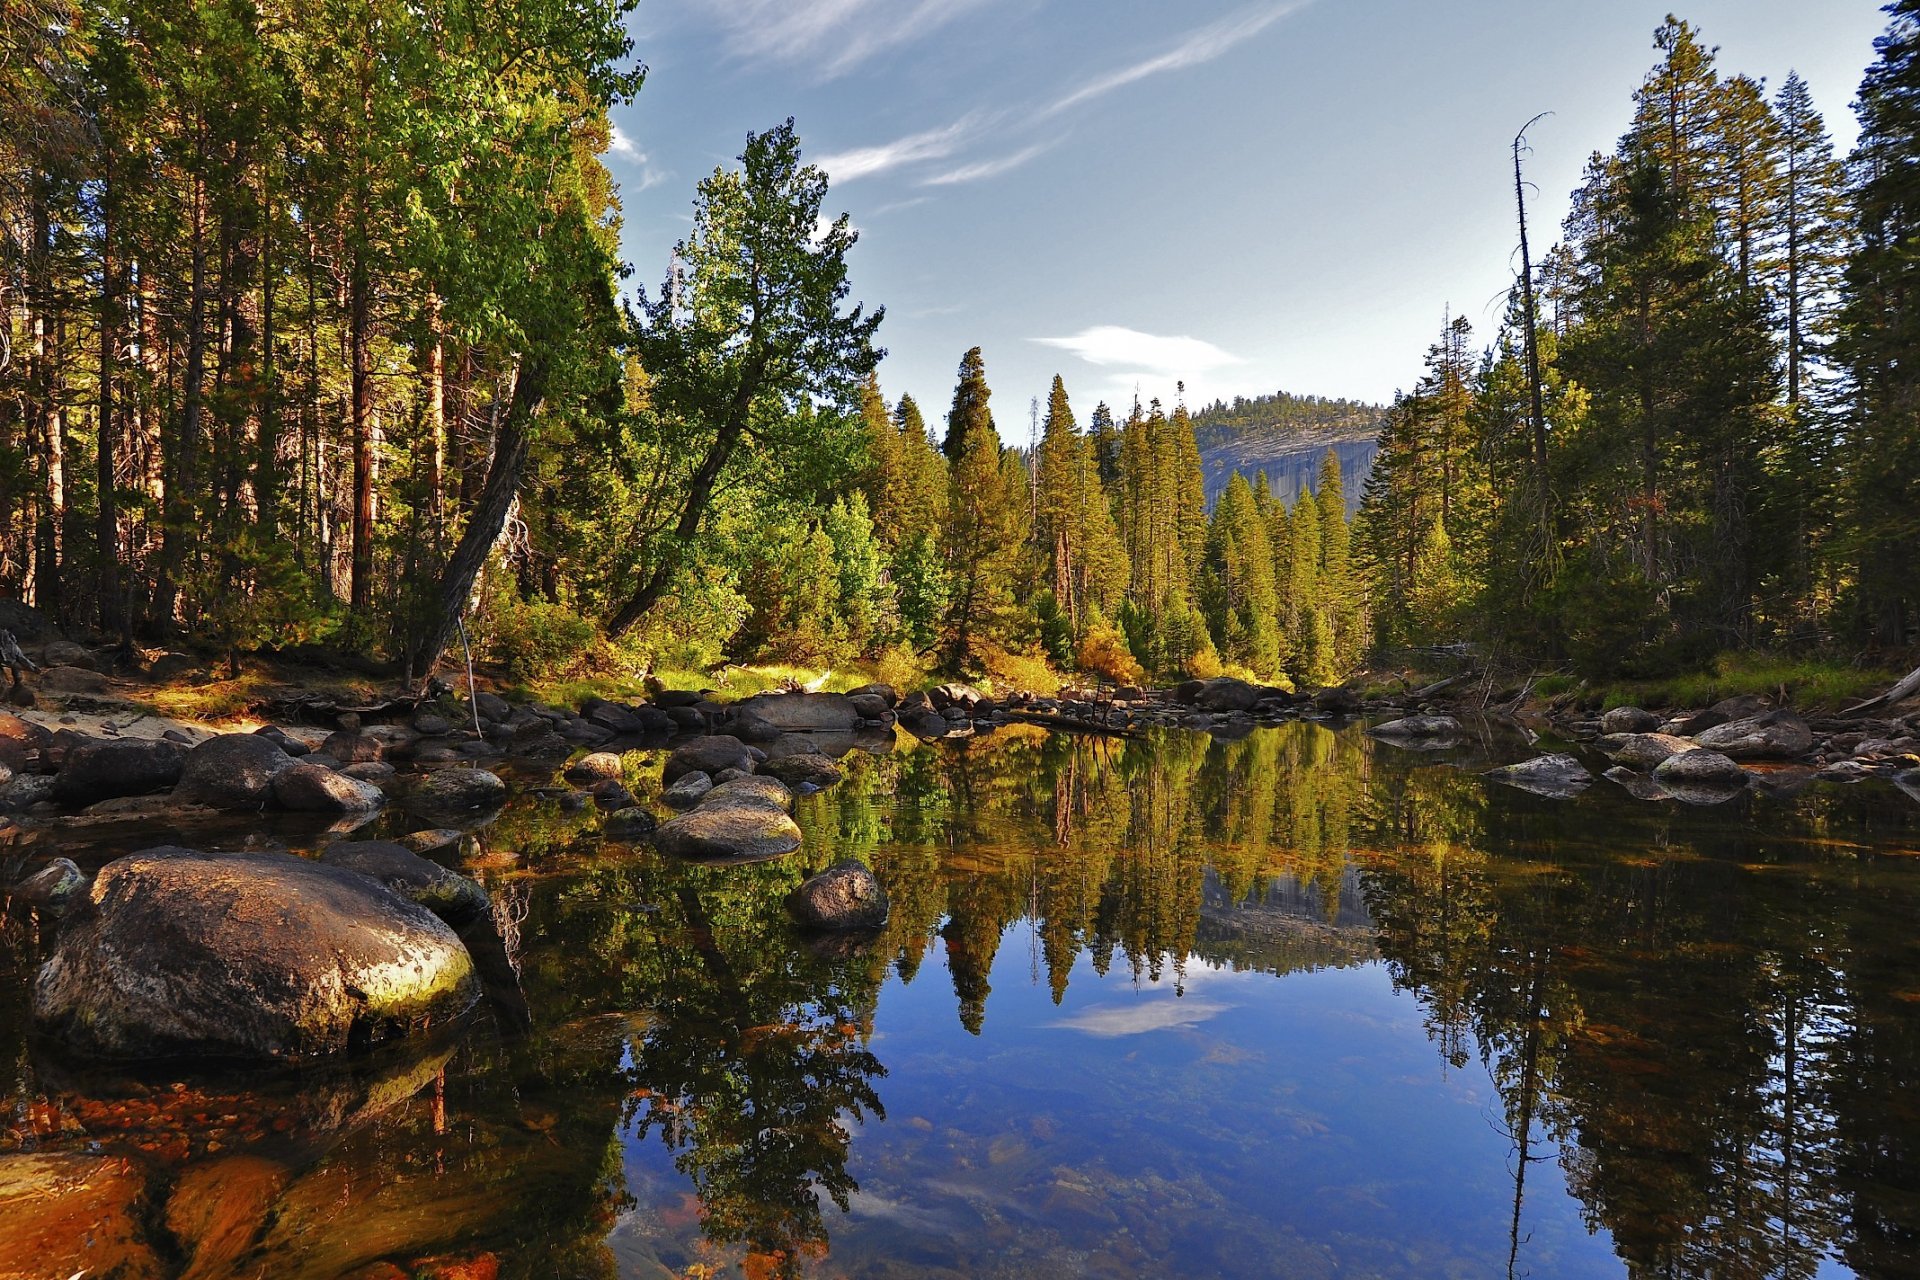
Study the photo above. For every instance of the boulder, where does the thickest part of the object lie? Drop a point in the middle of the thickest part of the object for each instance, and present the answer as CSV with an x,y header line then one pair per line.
x,y
665,698
750,726
729,775
804,712
750,792
447,894
955,694
53,889
72,680
1629,720
172,666
100,769
846,896
924,723
27,790
492,706
869,706
431,724
1844,771
74,1213
350,746
65,653
691,719
308,788
1421,731
630,823
374,771
708,755
594,767
459,790
232,771
1700,769
803,770
285,741
21,741
1773,735
1643,750
1228,694
729,833
616,719
887,694
687,791
1558,775
1638,785
253,957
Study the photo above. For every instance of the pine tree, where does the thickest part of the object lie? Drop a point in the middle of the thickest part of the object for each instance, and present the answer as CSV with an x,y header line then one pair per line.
x,y
1305,623
1811,231
969,416
1340,595
1058,492
983,534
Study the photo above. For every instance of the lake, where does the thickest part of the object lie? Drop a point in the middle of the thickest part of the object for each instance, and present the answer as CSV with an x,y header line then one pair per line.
x,y
1301,1004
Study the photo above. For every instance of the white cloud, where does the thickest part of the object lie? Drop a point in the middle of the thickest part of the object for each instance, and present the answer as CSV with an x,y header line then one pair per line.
x,y
986,168
620,143
1204,45
932,144
1109,345
1140,1017
833,36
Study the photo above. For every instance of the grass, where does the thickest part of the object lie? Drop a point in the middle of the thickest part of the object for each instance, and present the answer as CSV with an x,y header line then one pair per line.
x,y
1808,682
733,682
218,701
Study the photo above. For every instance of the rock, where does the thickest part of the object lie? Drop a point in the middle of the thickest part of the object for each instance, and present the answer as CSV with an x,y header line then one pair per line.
x,y
708,755
729,833
52,890
255,957
65,653
1421,731
750,726
1558,775
667,698
350,746
172,666
1700,769
804,712
1844,771
431,724
1774,735
1742,706
492,706
21,741
616,719
232,771
374,771
447,894
1643,750
869,706
1227,694
1629,720
729,775
592,768
102,769
803,770
691,719
611,792
308,788
72,1214
687,791
846,896
631,823
27,790
431,840
955,694
458,790
279,737
1637,785
217,1207
887,694
72,680
752,792
918,700
924,723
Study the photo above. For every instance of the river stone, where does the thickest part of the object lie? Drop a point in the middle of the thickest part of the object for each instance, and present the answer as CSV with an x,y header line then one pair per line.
x,y
374,771
1643,750
431,724
1228,694
924,723
459,790
803,770
308,788
1844,771
729,833
1629,720
846,896
350,746
447,894
99,769
631,823
27,790
1775,735
1421,731
708,755
53,889
888,695
1701,770
593,768
20,741
611,716
257,957
431,840
72,680
750,792
1637,785
954,694
1558,775
492,706
869,706
686,793
751,726
280,738
804,712
232,771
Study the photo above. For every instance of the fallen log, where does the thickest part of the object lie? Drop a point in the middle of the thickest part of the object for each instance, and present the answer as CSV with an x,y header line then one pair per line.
x,y
1905,689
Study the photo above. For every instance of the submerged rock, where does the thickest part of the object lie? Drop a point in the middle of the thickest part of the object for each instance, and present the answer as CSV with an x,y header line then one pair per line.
x,y
74,1214
846,896
808,769
1558,775
256,957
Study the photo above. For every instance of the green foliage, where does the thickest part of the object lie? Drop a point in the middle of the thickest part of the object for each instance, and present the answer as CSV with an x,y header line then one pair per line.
x,y
535,640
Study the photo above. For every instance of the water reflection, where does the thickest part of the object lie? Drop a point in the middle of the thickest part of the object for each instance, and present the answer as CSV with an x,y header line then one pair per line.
x,y
1188,989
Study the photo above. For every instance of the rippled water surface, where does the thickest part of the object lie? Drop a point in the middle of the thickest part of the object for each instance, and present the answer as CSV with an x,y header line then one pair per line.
x,y
1295,1005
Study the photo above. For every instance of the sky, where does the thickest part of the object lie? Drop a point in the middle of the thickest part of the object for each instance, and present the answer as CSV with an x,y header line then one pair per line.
x,y
1244,195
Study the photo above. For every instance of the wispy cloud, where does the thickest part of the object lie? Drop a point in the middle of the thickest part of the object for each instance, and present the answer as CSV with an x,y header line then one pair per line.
x,y
620,143
987,168
1112,1021
831,36
915,148
1109,345
1203,46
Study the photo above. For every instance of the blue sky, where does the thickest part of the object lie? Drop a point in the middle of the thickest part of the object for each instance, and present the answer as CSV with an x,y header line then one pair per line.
x,y
1245,195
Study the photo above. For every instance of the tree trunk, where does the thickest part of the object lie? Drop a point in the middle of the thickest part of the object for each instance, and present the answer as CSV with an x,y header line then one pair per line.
x,y
106,521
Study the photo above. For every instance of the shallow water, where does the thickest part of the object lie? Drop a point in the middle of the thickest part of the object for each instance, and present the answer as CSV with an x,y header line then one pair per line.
x,y
1296,1005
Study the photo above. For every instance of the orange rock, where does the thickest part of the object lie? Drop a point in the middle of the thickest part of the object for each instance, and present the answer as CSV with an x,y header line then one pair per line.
x,y
67,1214
217,1209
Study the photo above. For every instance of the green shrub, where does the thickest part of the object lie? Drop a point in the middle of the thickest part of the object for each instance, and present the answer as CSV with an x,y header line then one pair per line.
x,y
535,640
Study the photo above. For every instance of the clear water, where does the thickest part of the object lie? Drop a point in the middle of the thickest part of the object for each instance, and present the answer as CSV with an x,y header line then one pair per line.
x,y
1295,1005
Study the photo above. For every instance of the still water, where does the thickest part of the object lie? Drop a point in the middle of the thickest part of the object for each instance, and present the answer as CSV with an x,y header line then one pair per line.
x,y
1298,1005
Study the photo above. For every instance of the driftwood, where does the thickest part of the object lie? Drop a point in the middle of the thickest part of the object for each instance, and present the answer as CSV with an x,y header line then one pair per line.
x,y
1905,689
321,708
1074,723
1439,685
12,659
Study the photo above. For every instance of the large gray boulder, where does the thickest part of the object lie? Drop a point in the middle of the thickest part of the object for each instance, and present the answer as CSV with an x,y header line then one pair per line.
x,y
1775,735
1557,776
249,957
846,896
448,894
232,771
753,792
459,791
1700,770
729,833
807,769
310,788
1643,750
596,767
103,768
1228,694
687,791
708,755
1421,732
803,712
1629,720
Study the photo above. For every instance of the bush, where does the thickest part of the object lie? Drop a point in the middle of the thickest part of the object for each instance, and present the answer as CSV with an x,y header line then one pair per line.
x,y
535,640
1103,651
